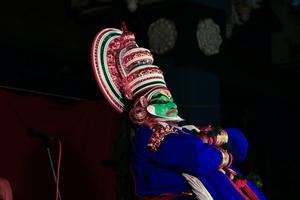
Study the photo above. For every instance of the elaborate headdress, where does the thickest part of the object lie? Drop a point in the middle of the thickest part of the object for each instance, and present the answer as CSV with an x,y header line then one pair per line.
x,y
122,69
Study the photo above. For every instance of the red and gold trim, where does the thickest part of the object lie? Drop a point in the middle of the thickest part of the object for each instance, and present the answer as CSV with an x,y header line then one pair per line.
x,y
217,139
158,135
221,138
227,159
240,184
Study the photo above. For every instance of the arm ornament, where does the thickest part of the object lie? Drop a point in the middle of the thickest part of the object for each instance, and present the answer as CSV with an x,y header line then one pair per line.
x,y
221,138
216,136
227,159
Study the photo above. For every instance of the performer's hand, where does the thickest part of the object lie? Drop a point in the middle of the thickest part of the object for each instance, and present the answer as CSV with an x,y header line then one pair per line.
x,y
5,190
203,137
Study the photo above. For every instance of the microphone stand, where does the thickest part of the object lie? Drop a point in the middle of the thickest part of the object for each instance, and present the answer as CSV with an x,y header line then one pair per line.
x,y
52,166
46,140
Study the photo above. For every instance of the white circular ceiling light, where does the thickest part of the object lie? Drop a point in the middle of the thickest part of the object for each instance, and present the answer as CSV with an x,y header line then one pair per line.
x,y
208,37
162,35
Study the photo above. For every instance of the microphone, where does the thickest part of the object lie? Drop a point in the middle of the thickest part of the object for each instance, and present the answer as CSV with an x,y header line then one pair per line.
x,y
35,134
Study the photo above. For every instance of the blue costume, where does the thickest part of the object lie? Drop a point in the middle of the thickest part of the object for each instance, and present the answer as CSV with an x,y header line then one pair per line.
x,y
160,172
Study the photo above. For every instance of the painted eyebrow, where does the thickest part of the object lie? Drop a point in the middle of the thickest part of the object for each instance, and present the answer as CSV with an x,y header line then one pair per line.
x,y
157,97
159,100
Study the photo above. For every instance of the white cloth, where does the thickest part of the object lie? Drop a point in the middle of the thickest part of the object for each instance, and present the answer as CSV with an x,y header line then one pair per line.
x,y
198,188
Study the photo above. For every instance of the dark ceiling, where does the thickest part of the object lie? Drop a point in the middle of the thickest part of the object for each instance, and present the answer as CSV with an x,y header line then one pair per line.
x,y
45,46
47,43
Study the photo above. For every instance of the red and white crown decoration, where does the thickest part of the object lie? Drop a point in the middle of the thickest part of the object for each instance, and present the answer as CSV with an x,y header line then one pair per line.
x,y
122,68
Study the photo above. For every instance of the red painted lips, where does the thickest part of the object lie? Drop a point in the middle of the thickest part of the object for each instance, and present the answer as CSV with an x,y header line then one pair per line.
x,y
170,112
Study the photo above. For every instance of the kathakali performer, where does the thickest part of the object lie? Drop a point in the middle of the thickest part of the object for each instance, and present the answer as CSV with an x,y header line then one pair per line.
x,y
168,161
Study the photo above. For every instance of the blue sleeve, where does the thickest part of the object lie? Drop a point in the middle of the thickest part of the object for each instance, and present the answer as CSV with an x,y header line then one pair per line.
x,y
239,145
183,153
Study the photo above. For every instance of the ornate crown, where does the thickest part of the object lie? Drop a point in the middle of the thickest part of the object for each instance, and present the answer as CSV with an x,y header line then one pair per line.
x,y
122,68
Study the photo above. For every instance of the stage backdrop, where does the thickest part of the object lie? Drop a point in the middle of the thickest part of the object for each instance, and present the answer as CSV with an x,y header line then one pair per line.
x,y
87,130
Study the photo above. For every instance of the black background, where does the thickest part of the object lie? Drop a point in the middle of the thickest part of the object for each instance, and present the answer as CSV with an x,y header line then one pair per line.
x,y
45,46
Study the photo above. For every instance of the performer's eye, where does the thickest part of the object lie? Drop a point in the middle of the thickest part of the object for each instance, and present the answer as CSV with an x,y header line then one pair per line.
x,y
158,102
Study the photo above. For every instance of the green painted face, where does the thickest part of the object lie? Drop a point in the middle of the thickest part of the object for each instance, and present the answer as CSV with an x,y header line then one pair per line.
x,y
163,105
